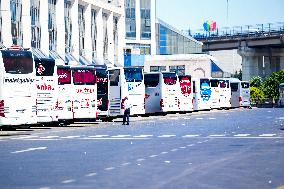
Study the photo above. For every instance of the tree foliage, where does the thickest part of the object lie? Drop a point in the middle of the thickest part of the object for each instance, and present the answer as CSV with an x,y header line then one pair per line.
x,y
271,84
256,94
256,82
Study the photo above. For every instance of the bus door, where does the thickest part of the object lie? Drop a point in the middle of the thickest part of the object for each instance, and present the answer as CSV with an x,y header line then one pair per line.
x,y
245,94
46,87
186,96
65,95
170,90
102,92
85,92
117,91
136,90
215,93
17,94
235,92
152,92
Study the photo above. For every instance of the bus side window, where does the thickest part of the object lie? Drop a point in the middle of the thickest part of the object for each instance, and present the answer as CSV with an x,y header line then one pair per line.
x,y
194,90
114,77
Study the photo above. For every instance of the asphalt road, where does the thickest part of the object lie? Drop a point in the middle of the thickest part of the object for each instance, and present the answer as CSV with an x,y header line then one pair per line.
x,y
237,148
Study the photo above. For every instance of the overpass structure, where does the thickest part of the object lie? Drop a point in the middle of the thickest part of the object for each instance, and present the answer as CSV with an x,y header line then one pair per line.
x,y
262,50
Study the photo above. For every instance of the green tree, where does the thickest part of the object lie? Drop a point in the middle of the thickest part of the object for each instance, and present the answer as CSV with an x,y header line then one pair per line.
x,y
271,84
256,82
256,95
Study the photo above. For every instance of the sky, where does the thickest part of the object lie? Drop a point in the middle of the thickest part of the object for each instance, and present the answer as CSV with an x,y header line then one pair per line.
x,y
185,14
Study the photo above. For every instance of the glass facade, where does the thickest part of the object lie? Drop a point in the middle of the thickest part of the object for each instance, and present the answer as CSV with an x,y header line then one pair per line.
x,y
94,34
105,36
52,24
35,23
68,26
81,24
170,41
16,22
130,18
179,70
145,11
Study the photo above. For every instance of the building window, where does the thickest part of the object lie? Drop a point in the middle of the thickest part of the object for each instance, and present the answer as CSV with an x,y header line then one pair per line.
x,y
35,23
81,23
115,38
145,49
16,22
68,26
145,11
105,36
130,18
158,68
52,24
179,70
94,34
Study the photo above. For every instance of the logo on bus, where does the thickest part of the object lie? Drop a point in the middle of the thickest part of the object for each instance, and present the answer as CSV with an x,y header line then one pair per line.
x,y
40,69
205,91
185,86
101,80
62,76
18,80
45,87
85,91
133,86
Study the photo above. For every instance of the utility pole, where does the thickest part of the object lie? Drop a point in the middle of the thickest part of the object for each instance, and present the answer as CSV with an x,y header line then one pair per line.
x,y
227,13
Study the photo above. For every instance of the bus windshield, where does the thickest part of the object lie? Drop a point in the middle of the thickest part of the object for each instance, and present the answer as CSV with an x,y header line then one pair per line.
x,y
44,67
83,77
133,74
234,87
214,83
245,85
102,81
151,80
17,62
170,78
64,76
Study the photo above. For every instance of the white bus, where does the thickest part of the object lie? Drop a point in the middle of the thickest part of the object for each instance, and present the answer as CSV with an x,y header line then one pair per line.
x,y
215,93
201,94
117,91
186,96
17,94
245,94
225,93
47,90
65,94
136,90
102,92
84,92
161,92
281,95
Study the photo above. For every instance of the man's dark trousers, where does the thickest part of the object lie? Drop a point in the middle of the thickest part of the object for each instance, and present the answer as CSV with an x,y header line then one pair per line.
x,y
126,116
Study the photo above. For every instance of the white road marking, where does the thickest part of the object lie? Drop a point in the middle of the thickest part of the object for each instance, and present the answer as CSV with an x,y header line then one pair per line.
x,y
164,152
29,149
221,135
70,137
142,136
199,118
281,118
44,188
174,150
167,161
41,139
120,136
174,118
200,142
211,118
50,137
141,159
190,145
183,124
98,136
91,174
166,136
190,136
68,181
124,164
115,138
186,118
109,168
152,156
267,135
183,147
242,135
24,137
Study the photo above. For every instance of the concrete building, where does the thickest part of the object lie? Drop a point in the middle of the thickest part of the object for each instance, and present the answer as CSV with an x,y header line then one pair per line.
x,y
76,30
196,65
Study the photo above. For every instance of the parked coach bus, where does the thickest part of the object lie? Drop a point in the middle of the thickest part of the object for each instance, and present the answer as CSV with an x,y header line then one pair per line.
x,y
17,94
281,95
235,85
215,93
225,93
47,90
186,96
245,94
201,94
161,92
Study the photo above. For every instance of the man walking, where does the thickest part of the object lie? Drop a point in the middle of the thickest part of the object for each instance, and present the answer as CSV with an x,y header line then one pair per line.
x,y
126,114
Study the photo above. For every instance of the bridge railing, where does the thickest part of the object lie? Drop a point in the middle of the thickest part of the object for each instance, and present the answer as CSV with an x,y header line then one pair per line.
x,y
236,32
